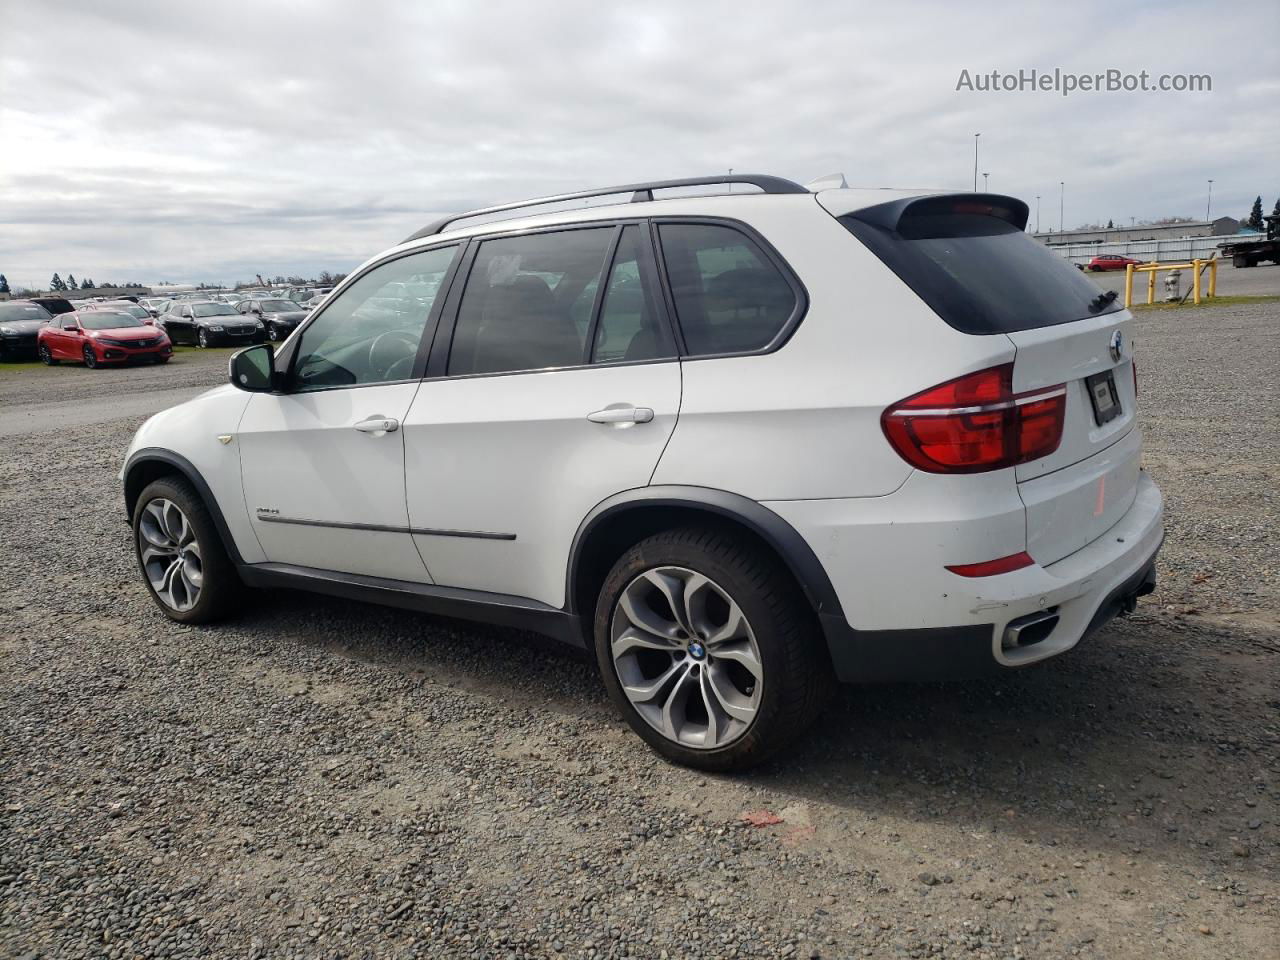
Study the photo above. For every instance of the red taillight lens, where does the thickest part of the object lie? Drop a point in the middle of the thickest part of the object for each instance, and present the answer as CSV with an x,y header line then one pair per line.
x,y
976,423
989,568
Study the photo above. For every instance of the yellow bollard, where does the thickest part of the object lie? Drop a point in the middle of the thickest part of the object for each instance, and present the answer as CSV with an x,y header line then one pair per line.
x,y
1151,285
1195,281
1128,285
1213,277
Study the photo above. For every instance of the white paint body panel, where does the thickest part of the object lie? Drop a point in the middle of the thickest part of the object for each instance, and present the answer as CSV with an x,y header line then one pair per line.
x,y
515,454
191,430
302,457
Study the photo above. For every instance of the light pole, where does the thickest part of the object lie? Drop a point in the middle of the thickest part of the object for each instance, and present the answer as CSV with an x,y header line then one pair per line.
x,y
984,182
1208,202
1037,213
975,161
1062,204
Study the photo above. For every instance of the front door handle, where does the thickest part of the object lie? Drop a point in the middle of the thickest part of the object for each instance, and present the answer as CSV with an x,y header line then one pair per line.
x,y
378,425
621,414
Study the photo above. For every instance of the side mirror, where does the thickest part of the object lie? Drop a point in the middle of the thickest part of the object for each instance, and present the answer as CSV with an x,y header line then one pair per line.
x,y
253,368
154,313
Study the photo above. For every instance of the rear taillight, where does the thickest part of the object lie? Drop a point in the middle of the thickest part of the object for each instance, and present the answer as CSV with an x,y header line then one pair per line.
x,y
990,568
976,423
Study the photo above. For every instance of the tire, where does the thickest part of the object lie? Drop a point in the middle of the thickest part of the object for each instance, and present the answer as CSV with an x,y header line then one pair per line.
x,y
173,568
202,338
1095,269
273,334
159,359
46,355
90,358
773,706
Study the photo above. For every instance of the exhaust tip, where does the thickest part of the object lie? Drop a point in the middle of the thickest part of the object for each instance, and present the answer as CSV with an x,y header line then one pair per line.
x,y
1029,630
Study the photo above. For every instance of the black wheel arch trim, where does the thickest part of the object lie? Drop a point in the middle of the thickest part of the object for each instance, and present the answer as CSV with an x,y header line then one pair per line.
x,y
188,470
785,540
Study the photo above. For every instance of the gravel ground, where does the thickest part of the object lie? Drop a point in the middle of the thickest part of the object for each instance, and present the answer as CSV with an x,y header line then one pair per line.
x,y
327,779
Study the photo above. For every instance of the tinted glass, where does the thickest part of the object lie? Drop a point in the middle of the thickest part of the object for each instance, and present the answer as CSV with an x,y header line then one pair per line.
x,y
371,332
527,303
213,310
630,326
729,296
22,311
69,323
279,306
981,274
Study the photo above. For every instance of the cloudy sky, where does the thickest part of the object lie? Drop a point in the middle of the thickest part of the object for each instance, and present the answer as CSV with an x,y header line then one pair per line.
x,y
181,141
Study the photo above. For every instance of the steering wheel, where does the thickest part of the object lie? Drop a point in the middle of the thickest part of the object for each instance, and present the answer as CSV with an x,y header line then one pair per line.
x,y
393,352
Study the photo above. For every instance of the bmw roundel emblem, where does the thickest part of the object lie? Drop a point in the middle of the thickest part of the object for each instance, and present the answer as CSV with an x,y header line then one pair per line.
x,y
1117,346
697,650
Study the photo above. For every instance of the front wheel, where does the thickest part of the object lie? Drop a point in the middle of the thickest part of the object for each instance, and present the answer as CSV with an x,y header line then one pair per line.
x,y
709,650
202,338
273,333
184,564
46,355
90,358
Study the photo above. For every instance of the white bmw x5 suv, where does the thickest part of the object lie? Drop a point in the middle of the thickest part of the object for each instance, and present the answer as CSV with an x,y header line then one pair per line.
x,y
739,446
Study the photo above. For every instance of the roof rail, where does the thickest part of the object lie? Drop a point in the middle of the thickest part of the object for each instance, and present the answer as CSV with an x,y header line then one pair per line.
x,y
640,193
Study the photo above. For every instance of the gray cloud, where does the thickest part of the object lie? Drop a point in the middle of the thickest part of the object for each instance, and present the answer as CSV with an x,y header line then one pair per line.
x,y
157,140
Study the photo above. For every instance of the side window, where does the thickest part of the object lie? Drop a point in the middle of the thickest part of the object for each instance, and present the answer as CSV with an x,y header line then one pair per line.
x,y
69,322
371,332
630,327
729,296
528,300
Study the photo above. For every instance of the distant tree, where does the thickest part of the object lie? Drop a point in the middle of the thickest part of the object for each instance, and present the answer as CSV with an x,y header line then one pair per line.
x,y
1275,211
4,283
57,284
72,283
1111,225
1255,215
86,284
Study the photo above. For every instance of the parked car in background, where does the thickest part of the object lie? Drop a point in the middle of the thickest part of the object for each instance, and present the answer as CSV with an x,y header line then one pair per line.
x,y
663,431
123,306
20,321
208,323
1111,261
279,316
97,337
55,305
154,304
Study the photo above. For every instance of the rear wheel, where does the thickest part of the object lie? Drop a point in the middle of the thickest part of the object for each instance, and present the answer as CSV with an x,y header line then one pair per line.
x,y
183,563
90,358
709,650
46,355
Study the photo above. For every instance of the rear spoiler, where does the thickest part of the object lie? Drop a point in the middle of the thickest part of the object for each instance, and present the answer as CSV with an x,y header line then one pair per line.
x,y
897,215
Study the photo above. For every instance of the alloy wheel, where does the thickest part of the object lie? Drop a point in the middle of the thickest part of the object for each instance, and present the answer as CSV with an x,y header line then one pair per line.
x,y
203,337
45,356
170,554
90,358
686,657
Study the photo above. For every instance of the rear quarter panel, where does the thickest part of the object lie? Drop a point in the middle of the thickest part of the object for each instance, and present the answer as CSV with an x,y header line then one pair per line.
x,y
803,422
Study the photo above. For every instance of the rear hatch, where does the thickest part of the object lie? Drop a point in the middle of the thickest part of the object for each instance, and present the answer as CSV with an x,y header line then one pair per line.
x,y
968,257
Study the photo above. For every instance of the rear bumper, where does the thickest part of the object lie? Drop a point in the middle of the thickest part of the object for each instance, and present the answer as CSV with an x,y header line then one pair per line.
x,y
950,627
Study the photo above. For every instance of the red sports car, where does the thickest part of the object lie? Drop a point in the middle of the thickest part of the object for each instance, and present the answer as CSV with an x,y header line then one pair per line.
x,y
1112,261
95,337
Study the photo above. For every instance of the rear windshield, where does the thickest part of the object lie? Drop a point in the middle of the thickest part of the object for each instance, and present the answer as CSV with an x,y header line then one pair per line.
x,y
981,274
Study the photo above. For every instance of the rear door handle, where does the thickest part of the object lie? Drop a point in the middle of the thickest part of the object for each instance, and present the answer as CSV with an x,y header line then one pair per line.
x,y
621,414
378,425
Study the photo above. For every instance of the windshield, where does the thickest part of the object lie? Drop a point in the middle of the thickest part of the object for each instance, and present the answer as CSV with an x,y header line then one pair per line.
x,y
213,310
23,311
279,306
981,274
108,321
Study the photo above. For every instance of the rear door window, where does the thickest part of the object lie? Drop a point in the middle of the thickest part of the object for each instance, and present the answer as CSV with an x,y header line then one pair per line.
x,y
979,272
631,325
528,302
729,296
